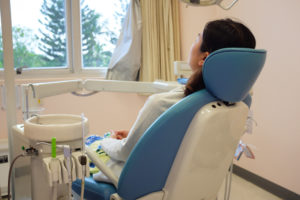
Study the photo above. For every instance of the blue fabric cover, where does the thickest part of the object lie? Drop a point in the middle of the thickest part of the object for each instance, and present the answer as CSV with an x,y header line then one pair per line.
x,y
94,190
230,73
149,163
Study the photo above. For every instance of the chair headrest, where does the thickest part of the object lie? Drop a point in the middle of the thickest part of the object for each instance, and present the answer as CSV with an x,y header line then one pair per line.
x,y
230,73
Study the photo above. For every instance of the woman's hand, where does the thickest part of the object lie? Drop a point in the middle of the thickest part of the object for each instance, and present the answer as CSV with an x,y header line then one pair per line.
x,y
119,135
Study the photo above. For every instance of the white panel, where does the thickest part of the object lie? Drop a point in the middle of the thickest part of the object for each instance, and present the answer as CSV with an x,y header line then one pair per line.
x,y
206,152
182,69
4,167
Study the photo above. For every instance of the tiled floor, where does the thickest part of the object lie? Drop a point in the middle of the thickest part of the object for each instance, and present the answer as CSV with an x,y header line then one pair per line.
x,y
243,190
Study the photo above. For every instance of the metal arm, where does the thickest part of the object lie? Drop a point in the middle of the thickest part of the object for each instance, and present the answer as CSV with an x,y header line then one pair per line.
x,y
47,89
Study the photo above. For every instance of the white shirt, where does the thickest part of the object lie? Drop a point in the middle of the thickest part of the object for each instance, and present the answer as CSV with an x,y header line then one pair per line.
x,y
155,105
119,150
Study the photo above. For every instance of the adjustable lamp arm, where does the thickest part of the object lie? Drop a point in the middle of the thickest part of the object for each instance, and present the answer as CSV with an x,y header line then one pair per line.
x,y
209,2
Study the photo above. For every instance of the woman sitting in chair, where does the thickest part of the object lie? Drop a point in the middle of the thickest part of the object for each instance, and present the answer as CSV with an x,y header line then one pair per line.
x,y
218,34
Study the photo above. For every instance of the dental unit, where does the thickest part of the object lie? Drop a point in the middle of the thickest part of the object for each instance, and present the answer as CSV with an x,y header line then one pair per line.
x,y
54,144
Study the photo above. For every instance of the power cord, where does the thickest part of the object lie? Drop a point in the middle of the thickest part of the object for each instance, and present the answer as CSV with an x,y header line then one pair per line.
x,y
29,152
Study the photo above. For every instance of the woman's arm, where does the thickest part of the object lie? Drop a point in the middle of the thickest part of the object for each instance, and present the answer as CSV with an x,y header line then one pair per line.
x,y
120,149
152,109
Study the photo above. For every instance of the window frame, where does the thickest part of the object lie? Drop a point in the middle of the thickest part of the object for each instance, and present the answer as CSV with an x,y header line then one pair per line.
x,y
74,67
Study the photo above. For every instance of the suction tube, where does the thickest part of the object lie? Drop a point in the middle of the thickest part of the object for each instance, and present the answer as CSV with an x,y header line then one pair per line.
x,y
83,159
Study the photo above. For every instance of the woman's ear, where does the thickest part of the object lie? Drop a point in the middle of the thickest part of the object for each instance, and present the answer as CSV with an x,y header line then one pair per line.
x,y
202,58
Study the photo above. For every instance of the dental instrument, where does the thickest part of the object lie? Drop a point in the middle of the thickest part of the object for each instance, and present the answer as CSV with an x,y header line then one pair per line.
x,y
83,159
68,162
83,162
55,168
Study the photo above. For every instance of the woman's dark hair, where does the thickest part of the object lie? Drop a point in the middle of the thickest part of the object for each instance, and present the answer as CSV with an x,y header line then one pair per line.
x,y
218,34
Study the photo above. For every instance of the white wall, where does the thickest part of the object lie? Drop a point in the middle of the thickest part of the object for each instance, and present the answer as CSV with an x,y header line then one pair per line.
x,y
276,101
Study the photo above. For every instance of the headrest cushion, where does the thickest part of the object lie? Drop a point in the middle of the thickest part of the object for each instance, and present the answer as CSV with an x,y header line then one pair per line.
x,y
230,73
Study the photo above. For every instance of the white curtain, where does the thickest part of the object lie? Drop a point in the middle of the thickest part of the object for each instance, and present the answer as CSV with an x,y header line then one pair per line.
x,y
161,39
126,59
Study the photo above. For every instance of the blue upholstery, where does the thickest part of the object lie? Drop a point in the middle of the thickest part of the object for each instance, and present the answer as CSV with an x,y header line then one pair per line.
x,y
248,100
225,78
228,74
94,190
149,163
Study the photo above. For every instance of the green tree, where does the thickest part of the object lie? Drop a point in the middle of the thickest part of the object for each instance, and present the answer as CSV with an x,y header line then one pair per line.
x,y
23,46
93,52
119,16
53,36
1,50
53,40
24,43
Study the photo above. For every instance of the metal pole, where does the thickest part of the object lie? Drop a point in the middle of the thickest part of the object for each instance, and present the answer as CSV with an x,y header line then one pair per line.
x,y
9,74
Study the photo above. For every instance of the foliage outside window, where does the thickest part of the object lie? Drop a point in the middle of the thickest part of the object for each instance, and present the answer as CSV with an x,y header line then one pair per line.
x,y
52,40
1,47
100,31
42,41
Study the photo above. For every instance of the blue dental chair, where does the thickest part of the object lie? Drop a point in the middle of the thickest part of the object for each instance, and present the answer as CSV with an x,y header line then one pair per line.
x,y
186,152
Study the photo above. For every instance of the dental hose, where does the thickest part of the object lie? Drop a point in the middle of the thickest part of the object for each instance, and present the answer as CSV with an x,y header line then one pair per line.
x,y
82,159
29,152
9,174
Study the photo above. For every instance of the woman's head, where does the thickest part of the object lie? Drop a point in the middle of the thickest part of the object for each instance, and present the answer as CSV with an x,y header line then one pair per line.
x,y
218,34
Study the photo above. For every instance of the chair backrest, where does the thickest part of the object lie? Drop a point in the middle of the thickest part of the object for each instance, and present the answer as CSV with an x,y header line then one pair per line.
x,y
149,164
206,152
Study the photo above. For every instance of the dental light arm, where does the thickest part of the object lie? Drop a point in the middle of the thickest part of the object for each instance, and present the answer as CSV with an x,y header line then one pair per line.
x,y
209,2
127,86
32,93
42,90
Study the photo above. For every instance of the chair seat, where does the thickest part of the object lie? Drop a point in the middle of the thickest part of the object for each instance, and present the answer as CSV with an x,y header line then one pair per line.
x,y
94,190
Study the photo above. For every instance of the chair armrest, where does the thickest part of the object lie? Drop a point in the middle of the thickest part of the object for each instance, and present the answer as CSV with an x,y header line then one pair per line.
x,y
102,167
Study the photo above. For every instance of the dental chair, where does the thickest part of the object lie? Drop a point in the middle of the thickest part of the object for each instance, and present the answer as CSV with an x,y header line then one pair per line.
x,y
187,151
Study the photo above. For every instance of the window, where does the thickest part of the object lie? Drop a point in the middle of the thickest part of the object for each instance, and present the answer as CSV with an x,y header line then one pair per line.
x,y
45,36
39,33
1,46
100,28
